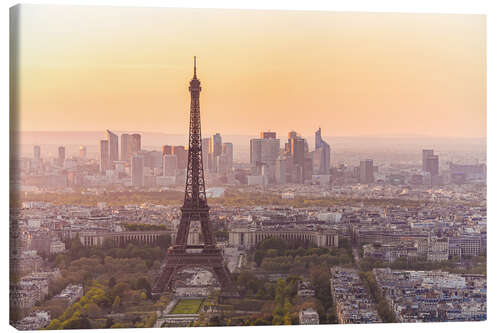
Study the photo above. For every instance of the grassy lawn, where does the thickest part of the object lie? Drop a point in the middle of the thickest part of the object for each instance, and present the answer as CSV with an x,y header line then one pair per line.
x,y
185,306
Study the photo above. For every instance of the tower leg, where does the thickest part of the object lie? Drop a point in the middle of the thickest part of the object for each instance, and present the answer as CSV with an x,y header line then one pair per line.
x,y
223,276
183,231
164,280
208,237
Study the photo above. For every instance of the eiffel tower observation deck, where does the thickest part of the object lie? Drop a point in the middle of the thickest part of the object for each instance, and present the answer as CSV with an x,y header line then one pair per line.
x,y
195,208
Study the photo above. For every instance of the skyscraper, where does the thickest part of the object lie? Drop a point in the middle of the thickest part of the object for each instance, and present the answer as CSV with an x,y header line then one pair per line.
x,y
263,157
366,172
36,153
216,144
425,154
268,135
83,152
182,156
224,162
321,155
137,171
125,147
135,143
302,162
104,161
62,155
167,150
153,159
298,150
227,150
255,151
307,170
432,164
288,145
205,149
432,167
169,165
284,169
112,139
214,151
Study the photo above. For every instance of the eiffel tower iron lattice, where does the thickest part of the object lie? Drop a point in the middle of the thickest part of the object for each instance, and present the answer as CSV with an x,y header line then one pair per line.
x,y
195,208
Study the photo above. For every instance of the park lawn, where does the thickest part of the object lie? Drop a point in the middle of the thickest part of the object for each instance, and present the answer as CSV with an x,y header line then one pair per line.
x,y
187,306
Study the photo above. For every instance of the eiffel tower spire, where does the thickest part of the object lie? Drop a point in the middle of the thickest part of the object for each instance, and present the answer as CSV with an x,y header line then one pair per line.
x,y
194,67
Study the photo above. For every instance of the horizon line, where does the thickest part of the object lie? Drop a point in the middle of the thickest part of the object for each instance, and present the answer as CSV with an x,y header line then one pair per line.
x,y
256,133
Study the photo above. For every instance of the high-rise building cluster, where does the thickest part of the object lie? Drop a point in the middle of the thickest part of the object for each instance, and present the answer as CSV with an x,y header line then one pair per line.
x,y
217,155
159,168
264,153
109,152
114,159
294,164
61,155
122,161
130,144
321,155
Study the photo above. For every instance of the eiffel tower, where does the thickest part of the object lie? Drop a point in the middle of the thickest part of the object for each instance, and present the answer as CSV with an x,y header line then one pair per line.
x,y
195,208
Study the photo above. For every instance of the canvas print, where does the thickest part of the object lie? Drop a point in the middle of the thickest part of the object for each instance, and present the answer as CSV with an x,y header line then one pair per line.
x,y
208,167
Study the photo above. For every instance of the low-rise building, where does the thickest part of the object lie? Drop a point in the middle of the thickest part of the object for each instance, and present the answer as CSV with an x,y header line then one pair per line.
x,y
71,293
23,297
308,316
26,262
56,246
35,321
305,289
251,237
390,252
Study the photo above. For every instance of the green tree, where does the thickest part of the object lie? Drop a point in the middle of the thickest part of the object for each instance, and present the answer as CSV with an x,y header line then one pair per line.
x,y
120,288
321,284
76,322
151,321
383,308
55,324
116,303
142,283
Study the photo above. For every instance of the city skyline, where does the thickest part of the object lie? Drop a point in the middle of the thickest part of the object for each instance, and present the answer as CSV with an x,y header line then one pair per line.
x,y
431,83
258,130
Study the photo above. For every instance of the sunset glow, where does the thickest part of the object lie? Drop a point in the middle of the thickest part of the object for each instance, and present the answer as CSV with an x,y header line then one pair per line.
x,y
92,68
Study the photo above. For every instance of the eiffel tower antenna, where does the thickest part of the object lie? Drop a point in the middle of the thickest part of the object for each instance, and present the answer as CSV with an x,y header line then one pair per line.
x,y
194,66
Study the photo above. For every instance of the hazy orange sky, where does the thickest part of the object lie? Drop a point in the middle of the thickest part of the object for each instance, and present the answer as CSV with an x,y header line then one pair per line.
x,y
128,69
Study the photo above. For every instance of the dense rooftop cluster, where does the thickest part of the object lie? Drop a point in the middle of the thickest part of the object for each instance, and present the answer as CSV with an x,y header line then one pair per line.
x,y
431,296
354,303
